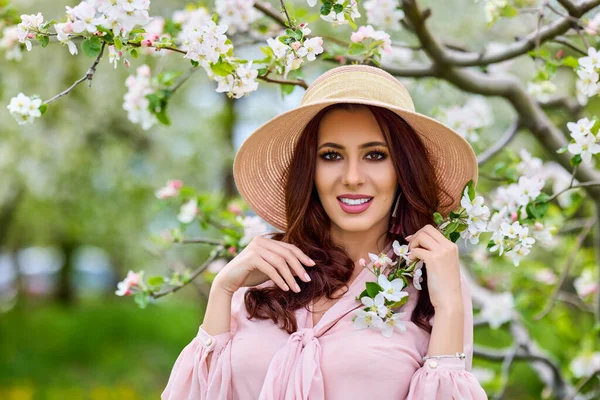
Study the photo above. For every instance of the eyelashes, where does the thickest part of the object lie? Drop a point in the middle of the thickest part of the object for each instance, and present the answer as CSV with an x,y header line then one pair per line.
x,y
331,155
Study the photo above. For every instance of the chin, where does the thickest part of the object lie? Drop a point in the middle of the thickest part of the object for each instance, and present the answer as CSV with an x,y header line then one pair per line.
x,y
358,225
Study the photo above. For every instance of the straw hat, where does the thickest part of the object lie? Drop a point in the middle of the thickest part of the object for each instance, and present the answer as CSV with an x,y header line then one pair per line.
x,y
260,164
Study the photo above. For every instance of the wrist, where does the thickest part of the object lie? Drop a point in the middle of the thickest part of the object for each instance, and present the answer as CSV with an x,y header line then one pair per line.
x,y
220,289
450,308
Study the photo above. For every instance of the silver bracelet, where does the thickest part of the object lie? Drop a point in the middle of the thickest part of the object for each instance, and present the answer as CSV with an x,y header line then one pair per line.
x,y
462,356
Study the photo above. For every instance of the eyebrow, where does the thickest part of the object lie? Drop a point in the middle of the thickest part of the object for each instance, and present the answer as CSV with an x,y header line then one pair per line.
x,y
362,146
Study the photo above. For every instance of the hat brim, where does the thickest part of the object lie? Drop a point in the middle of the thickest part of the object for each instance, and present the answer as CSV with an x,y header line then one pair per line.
x,y
262,159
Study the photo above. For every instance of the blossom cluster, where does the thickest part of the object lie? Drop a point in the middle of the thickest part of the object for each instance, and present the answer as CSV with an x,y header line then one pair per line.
x,y
587,84
289,57
372,40
541,90
135,101
24,109
469,119
340,12
384,14
132,282
586,143
238,14
378,311
9,42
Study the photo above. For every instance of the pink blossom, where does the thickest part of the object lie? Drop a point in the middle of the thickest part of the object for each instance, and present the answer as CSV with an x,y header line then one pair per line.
x,y
232,250
132,280
170,190
234,208
296,45
146,43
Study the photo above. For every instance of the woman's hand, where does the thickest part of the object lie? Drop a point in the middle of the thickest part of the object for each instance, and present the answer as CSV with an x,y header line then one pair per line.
x,y
443,270
265,259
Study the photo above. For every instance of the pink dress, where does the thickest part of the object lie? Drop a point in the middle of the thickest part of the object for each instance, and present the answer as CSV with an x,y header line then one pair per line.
x,y
332,360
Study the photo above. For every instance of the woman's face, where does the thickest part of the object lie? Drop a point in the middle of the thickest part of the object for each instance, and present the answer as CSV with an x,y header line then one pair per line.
x,y
354,175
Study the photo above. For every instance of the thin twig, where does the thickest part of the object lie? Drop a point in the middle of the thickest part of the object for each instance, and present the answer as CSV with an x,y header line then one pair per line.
x,y
265,9
565,271
581,384
298,82
202,240
500,144
88,76
183,79
566,42
193,276
584,184
290,25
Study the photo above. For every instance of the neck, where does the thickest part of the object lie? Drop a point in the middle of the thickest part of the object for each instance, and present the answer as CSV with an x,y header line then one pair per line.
x,y
358,244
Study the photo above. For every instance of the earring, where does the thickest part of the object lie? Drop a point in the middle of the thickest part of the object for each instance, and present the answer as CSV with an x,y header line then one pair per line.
x,y
396,205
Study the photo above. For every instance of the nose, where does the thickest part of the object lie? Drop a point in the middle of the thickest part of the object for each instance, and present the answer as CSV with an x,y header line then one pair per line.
x,y
352,174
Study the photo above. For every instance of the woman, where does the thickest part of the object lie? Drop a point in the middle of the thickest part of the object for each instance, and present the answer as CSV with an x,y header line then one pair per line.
x,y
346,173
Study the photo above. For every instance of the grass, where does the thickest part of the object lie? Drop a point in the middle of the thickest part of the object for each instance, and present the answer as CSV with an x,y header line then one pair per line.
x,y
100,349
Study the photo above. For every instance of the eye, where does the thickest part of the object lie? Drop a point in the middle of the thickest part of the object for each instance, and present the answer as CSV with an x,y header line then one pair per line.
x,y
379,155
328,155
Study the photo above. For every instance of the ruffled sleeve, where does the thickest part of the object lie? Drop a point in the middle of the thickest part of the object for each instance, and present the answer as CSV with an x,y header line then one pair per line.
x,y
191,378
450,378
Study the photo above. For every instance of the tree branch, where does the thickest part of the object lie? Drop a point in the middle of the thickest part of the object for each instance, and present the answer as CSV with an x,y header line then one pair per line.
x,y
298,82
500,144
522,46
88,76
530,113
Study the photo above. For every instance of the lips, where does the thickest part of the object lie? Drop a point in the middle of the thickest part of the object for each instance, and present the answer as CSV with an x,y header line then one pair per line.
x,y
354,208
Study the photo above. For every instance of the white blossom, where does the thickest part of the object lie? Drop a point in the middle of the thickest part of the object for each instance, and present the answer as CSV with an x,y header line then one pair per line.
x,y
393,322
238,14
188,211
26,29
585,284
498,309
9,42
253,226
586,146
392,290
24,109
376,305
135,101
384,14
367,319
585,364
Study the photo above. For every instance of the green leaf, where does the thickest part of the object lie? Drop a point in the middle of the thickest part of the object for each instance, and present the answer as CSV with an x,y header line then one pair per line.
x,y
400,303
194,63
43,108
221,68
454,236
267,51
509,11
134,53
326,8
162,117
570,61
451,227
437,217
357,48
338,8
92,46
471,187
286,89
167,78
351,22
296,34
141,299
44,40
118,43
576,160
156,280
373,288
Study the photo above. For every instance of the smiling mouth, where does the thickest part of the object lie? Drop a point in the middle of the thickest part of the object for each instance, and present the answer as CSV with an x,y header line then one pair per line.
x,y
354,206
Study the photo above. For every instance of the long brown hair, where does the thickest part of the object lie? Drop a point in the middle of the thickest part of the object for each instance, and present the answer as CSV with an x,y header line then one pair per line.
x,y
308,224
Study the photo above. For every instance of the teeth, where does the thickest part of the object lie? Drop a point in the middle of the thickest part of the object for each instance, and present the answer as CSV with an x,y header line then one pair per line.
x,y
354,202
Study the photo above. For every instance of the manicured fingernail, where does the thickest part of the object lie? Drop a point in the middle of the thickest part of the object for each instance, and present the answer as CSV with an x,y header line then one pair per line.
x,y
312,262
297,287
307,277
286,287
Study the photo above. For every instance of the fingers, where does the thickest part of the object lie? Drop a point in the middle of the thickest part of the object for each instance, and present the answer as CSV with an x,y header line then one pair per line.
x,y
420,253
279,263
300,255
290,257
272,273
424,240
